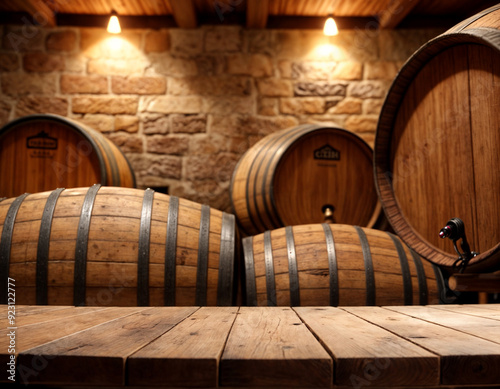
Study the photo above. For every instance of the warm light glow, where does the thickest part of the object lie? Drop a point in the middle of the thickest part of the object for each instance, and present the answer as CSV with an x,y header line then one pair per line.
x,y
114,25
330,28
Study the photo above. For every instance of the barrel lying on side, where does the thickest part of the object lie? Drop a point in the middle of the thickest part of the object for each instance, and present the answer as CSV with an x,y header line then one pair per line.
x,y
333,264
42,152
116,246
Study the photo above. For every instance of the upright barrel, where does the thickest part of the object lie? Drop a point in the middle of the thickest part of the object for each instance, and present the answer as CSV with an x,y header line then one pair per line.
x,y
291,176
43,152
437,146
116,246
338,265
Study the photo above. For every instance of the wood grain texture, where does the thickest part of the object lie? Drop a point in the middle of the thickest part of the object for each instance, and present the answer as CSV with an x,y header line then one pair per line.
x,y
257,13
364,352
113,248
272,347
315,276
188,355
286,179
97,355
437,139
44,152
465,359
485,328
41,331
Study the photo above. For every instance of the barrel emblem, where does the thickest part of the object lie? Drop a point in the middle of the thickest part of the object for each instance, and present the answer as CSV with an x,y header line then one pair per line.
x,y
42,140
327,152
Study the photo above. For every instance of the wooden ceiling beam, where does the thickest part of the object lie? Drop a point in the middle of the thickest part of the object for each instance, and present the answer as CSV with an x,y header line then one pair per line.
x,y
395,12
184,13
40,12
257,13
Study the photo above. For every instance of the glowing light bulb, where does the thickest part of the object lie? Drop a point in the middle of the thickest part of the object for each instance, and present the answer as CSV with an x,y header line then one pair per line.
x,y
330,28
114,25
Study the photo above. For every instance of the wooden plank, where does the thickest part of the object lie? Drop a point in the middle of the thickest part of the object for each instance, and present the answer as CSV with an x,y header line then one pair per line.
x,y
271,346
50,315
366,354
465,359
481,327
97,355
491,311
395,12
23,313
257,13
184,13
38,333
186,356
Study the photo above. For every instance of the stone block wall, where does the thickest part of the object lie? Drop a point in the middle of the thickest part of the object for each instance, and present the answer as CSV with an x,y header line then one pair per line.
x,y
184,105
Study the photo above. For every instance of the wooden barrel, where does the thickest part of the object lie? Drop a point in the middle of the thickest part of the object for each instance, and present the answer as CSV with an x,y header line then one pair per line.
x,y
338,265
43,152
437,147
115,246
290,176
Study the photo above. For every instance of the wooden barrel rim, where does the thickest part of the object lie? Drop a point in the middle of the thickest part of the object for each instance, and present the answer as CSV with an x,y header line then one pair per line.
x,y
489,37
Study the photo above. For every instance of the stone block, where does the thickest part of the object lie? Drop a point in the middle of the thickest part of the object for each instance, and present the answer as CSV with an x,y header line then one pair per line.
x,y
99,122
206,86
42,62
41,104
156,42
367,89
313,70
268,107
381,70
320,88
186,43
348,71
155,123
223,38
189,124
18,84
175,67
101,104
8,61
167,144
64,40
138,85
127,123
23,38
228,105
75,83
372,106
255,65
303,105
361,123
127,143
171,104
121,67
274,87
96,43
347,106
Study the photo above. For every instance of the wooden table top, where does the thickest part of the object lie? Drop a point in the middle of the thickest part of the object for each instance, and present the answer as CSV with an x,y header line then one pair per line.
x,y
310,347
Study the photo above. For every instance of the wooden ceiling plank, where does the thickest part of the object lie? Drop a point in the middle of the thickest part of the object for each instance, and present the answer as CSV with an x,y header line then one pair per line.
x,y
41,12
184,13
257,13
395,12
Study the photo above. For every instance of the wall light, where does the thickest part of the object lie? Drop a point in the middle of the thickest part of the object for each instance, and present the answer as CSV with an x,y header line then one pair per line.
x,y
114,24
330,28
